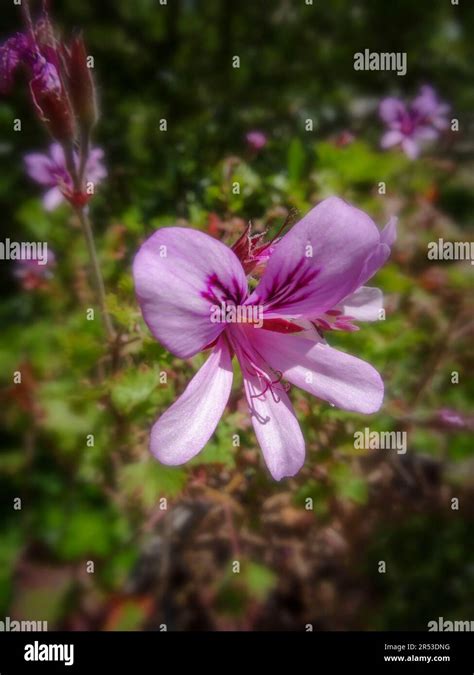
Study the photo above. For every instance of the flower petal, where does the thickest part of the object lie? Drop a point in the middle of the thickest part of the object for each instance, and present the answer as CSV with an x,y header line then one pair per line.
x,y
319,262
52,199
391,109
39,168
185,428
410,148
391,138
381,253
337,377
276,428
364,305
180,274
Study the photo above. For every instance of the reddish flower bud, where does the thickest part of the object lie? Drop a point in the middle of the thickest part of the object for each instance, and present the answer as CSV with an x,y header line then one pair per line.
x,y
80,83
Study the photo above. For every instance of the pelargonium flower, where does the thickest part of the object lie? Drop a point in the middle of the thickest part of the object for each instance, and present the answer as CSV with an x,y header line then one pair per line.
x,y
33,273
411,126
313,283
50,170
256,140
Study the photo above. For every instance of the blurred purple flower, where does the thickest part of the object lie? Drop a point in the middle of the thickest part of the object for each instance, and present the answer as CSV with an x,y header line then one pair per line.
x,y
256,140
313,282
39,52
411,126
34,274
453,419
50,170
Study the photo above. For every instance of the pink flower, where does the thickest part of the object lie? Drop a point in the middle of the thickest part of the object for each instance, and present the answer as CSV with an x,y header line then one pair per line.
x,y
256,140
411,126
312,283
50,170
34,273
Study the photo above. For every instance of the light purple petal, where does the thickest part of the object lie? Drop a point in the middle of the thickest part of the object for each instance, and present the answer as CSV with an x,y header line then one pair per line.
x,y
391,138
425,133
180,274
319,262
276,428
57,154
95,170
52,199
345,381
391,109
185,428
363,305
389,232
39,168
410,148
380,254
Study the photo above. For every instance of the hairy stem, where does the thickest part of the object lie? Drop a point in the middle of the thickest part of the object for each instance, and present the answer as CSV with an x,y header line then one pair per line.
x,y
99,282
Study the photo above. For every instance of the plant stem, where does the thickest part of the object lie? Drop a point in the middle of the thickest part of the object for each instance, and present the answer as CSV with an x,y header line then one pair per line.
x,y
84,154
84,220
99,282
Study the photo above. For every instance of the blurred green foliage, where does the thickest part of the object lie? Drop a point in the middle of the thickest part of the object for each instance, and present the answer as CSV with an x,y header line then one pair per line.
x,y
100,500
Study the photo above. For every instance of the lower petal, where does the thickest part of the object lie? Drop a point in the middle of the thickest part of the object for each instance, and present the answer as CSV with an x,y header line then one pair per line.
x,y
276,428
185,428
52,199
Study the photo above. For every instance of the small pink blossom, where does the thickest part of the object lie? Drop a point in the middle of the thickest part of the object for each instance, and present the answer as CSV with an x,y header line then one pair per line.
x,y
256,140
313,283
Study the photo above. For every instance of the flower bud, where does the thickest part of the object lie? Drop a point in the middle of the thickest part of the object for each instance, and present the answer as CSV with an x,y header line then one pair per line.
x,y
81,84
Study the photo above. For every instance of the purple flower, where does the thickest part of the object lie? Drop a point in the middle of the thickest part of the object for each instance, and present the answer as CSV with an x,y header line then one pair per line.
x,y
256,140
411,126
35,273
313,282
50,170
38,50
453,419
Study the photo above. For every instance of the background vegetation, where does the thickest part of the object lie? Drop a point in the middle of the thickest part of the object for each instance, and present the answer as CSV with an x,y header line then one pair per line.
x,y
102,503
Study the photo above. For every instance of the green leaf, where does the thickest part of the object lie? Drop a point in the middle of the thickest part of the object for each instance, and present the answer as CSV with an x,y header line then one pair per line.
x,y
349,485
133,388
150,480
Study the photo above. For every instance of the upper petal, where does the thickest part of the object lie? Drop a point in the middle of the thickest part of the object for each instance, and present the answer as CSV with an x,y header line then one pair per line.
x,y
185,428
344,380
39,168
391,109
380,254
363,305
179,275
319,262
